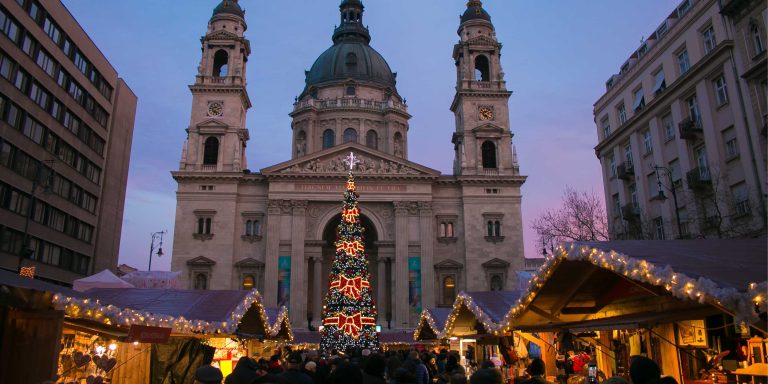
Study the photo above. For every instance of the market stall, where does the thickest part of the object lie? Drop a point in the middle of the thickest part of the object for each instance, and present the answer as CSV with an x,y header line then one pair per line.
x,y
148,335
690,305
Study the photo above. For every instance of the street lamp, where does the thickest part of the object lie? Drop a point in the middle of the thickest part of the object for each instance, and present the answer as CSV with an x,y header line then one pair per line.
x,y
672,189
38,180
157,239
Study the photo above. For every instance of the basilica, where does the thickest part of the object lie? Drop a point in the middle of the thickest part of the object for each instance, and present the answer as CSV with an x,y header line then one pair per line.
x,y
428,236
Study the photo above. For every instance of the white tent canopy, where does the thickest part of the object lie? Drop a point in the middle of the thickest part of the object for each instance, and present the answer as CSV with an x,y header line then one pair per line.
x,y
103,279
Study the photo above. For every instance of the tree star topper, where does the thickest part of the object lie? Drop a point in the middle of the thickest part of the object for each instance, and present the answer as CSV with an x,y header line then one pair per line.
x,y
352,161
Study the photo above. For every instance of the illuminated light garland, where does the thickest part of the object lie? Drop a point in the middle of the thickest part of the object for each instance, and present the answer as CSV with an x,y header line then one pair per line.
x,y
27,272
350,247
426,320
90,309
743,305
350,325
350,215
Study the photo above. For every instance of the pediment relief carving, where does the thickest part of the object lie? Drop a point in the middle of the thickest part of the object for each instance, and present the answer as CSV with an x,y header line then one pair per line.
x,y
495,263
249,263
221,35
201,261
367,165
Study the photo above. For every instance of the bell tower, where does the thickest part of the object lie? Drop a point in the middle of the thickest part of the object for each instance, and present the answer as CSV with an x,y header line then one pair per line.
x,y
483,140
217,136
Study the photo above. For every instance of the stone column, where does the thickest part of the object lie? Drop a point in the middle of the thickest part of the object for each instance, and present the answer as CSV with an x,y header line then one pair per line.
x,y
270,259
381,287
298,304
317,305
427,235
401,302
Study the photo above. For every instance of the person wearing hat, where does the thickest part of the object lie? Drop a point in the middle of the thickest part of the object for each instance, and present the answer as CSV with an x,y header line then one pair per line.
x,y
643,370
208,374
294,375
536,369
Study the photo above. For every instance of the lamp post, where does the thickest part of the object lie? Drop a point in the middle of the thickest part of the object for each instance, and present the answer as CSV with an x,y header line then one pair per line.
x,y
672,189
38,180
157,239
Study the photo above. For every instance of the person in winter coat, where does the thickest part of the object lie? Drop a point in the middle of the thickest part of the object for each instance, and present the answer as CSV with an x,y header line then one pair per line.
x,y
374,370
536,369
244,372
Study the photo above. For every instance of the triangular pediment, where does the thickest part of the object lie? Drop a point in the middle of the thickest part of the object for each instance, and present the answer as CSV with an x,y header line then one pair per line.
x,y
496,263
249,263
221,35
488,128
449,264
331,162
201,261
482,40
212,123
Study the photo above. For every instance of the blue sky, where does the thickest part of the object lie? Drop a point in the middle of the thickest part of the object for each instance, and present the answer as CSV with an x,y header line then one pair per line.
x,y
556,56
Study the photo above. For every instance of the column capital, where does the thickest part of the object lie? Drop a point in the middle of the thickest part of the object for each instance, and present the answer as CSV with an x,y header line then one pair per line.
x,y
425,208
273,207
401,207
299,206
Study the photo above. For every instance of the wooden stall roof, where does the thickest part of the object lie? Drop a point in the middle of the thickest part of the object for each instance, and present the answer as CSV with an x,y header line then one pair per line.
x,y
431,323
13,279
202,312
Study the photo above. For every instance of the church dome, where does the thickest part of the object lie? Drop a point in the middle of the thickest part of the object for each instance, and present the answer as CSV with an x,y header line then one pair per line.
x,y
475,11
350,60
229,7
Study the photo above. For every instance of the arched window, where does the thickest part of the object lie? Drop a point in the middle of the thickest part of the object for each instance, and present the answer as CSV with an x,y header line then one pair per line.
x,y
490,228
496,283
497,228
211,151
482,69
350,135
372,139
249,228
200,225
256,228
489,155
350,90
301,143
208,226
248,282
449,290
398,139
220,63
201,281
757,39
328,139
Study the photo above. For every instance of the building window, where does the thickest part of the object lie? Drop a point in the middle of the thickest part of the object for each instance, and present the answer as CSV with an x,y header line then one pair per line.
x,y
252,228
693,109
372,139
658,225
639,100
612,165
683,8
674,173
494,228
628,155
496,283
201,281
647,142
449,290
757,39
709,39
616,205
721,91
446,229
669,126
248,282
661,83
633,196
328,139
204,226
740,199
350,135
606,127
482,69
489,154
350,90
211,151
700,154
731,145
682,61
622,111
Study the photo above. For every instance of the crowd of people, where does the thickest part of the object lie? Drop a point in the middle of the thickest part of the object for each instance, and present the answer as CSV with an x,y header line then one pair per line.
x,y
393,367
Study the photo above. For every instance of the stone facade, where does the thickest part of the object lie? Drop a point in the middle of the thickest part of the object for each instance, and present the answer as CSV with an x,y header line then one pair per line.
x,y
428,235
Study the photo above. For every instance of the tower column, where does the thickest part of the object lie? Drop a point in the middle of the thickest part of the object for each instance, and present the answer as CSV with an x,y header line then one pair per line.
x,y
381,287
298,304
401,302
273,246
427,225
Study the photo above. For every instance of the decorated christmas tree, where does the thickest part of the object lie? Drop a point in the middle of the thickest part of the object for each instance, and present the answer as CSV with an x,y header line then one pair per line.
x,y
349,314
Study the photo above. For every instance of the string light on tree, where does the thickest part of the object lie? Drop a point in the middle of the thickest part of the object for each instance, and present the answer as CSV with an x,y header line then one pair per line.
x,y
349,313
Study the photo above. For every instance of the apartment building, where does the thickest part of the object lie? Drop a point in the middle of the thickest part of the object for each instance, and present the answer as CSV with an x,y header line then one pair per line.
x,y
681,127
66,126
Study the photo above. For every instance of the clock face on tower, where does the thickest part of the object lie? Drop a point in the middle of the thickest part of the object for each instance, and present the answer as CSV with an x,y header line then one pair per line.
x,y
215,109
486,113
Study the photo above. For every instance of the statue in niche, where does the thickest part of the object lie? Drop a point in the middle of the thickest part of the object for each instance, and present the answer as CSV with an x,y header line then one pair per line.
x,y
301,147
398,148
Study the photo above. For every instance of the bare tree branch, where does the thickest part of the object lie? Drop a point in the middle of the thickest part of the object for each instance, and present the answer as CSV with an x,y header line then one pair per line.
x,y
581,217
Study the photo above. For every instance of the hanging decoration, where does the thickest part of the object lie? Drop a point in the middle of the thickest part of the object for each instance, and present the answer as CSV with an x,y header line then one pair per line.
x,y
349,313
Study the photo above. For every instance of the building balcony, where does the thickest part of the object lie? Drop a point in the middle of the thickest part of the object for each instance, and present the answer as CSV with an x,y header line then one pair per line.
x,y
220,80
699,179
690,129
630,211
209,167
490,171
625,171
